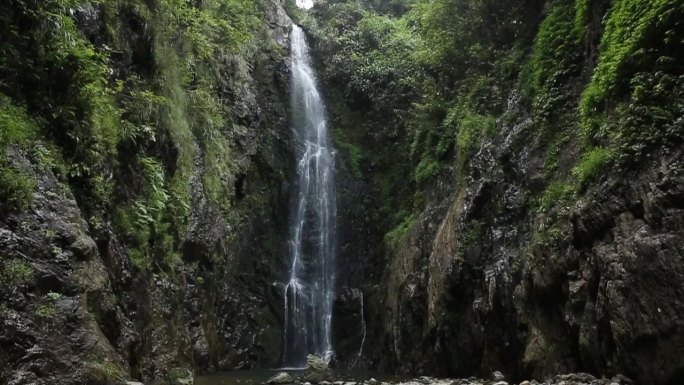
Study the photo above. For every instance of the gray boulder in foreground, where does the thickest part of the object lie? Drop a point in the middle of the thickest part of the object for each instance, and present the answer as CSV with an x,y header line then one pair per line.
x,y
316,370
280,378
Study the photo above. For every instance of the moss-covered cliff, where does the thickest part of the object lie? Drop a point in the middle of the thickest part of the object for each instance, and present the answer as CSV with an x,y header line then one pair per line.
x,y
143,177
520,168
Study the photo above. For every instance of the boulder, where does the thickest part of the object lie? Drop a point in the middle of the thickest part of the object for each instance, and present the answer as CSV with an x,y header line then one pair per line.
x,y
84,247
498,376
281,378
180,376
316,370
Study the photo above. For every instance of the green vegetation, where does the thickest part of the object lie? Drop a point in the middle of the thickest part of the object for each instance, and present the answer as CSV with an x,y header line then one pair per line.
x,y
16,132
15,272
421,85
471,237
398,233
630,43
591,164
102,370
126,118
556,194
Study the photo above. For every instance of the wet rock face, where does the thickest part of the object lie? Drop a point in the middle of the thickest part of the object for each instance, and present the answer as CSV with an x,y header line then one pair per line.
x,y
50,271
349,326
484,282
74,309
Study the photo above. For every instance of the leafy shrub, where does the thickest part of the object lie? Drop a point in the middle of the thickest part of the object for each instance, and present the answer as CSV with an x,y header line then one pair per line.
x,y
15,272
591,164
16,188
632,26
394,236
555,194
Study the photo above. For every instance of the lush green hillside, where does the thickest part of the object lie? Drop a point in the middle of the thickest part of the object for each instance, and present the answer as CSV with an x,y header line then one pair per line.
x,y
504,148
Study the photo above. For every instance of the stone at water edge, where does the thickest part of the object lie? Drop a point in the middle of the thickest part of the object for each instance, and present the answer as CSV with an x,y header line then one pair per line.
x,y
338,383
325,383
501,383
281,378
498,376
525,383
373,381
316,370
180,376
134,383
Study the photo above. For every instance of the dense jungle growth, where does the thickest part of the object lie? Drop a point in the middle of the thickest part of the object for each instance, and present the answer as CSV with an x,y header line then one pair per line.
x,y
509,176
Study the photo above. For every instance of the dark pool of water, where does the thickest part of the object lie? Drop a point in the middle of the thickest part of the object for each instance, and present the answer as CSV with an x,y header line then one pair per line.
x,y
256,377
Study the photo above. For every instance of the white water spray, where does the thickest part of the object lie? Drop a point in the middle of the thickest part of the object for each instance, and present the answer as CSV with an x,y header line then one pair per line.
x,y
305,4
309,292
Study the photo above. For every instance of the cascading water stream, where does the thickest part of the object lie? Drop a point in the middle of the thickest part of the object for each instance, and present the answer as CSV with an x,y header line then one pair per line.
x,y
363,330
309,292
306,4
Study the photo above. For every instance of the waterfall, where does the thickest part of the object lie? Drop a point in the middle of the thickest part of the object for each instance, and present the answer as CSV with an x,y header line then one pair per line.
x,y
306,4
309,292
363,331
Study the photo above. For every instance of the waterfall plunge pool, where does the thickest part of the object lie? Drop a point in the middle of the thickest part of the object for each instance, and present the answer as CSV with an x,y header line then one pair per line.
x,y
259,376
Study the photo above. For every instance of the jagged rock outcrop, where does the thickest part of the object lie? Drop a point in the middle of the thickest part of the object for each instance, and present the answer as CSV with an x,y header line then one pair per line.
x,y
592,286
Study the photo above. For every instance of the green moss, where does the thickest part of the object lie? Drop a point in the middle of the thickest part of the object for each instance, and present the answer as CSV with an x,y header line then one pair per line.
x,y
591,165
631,26
354,154
426,169
472,129
17,131
471,236
16,188
393,237
16,272
46,308
557,193
15,126
100,370
546,237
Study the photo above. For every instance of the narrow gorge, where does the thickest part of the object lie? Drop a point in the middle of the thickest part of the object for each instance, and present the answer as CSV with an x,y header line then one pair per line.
x,y
219,190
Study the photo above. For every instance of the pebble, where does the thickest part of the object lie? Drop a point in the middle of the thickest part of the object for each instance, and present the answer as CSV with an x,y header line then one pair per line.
x,y
498,376
338,383
373,381
501,383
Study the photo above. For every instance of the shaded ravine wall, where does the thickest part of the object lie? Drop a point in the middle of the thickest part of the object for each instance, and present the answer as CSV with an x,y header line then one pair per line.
x,y
486,273
80,303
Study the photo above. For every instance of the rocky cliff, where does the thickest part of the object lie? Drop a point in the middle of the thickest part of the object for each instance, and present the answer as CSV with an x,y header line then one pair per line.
x,y
145,172
517,191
